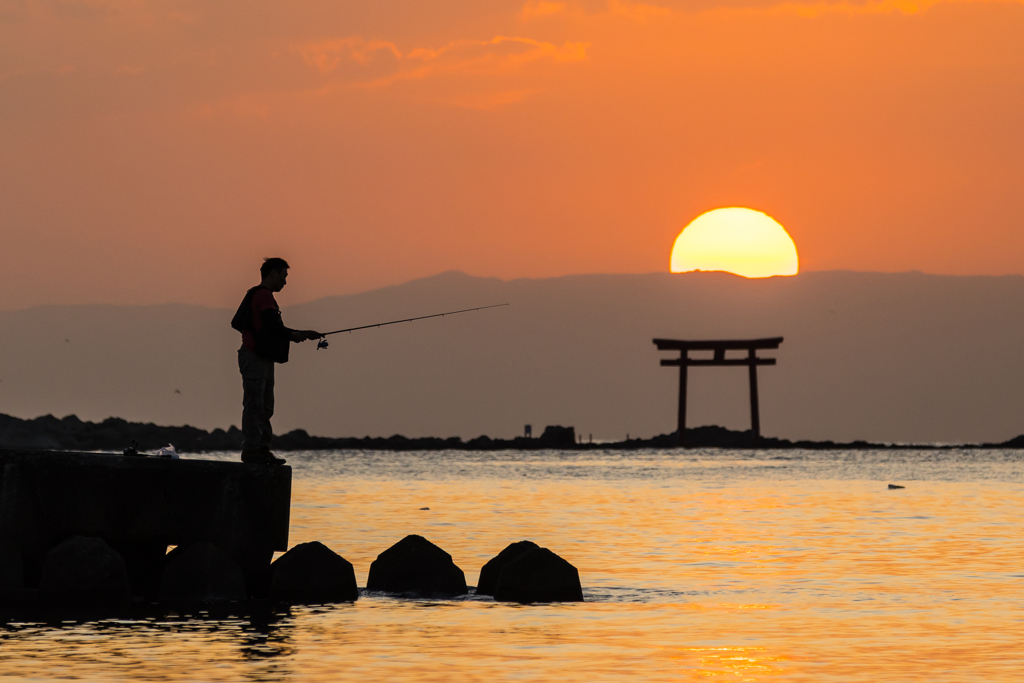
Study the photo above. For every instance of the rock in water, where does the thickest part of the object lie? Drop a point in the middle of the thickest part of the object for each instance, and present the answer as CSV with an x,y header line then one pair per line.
x,y
12,568
84,571
556,436
201,573
145,564
313,573
492,570
416,566
539,575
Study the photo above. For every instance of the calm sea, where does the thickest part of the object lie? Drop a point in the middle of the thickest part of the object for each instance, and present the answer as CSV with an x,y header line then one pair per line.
x,y
716,564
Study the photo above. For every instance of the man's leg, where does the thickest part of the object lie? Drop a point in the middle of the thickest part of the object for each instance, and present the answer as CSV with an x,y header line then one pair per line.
x,y
266,431
257,408
253,395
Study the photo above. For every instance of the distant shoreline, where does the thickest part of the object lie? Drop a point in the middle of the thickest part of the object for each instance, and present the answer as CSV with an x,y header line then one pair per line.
x,y
114,434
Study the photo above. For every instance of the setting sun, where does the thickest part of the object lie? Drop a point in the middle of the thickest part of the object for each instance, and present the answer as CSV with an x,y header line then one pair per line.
x,y
736,240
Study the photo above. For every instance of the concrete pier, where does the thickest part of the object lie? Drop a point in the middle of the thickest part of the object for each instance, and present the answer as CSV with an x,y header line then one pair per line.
x,y
139,506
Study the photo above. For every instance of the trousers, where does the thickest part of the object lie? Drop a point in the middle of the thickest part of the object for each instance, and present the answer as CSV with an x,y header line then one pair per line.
x,y
257,399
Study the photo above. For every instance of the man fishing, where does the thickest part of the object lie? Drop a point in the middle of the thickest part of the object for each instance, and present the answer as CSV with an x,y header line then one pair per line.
x,y
265,341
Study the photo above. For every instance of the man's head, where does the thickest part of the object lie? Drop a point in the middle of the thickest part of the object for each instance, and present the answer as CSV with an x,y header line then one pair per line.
x,y
274,272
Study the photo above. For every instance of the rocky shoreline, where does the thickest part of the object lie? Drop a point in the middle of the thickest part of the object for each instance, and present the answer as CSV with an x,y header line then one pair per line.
x,y
114,434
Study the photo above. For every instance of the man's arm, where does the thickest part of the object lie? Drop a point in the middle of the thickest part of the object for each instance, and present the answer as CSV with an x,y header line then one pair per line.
x,y
272,321
303,335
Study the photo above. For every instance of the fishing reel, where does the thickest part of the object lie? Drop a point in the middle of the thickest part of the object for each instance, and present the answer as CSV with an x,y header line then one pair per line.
x,y
322,344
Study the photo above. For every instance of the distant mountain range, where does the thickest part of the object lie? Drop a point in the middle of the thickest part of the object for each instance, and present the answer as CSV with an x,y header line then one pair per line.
x,y
885,358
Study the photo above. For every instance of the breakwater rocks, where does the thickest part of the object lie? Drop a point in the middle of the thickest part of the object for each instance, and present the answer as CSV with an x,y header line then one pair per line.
x,y
91,531
85,577
115,434
417,568
313,573
94,529
201,573
84,571
525,572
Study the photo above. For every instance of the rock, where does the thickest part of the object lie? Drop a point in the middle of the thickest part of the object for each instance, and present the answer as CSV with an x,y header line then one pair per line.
x,y
539,575
492,570
12,568
313,573
239,530
556,436
144,562
12,577
201,573
84,571
416,566
19,598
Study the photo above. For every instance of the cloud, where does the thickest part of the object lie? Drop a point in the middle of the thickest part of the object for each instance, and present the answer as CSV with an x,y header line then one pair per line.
x,y
327,55
818,8
501,55
636,11
641,13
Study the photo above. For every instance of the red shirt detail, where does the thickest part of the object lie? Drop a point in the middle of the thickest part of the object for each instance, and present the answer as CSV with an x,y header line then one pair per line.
x,y
262,300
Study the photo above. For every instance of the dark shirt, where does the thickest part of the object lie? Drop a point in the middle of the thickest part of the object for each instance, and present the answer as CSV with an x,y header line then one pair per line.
x,y
262,300
258,318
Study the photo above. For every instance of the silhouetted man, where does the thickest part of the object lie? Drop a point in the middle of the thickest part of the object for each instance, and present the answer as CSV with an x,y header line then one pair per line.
x,y
265,341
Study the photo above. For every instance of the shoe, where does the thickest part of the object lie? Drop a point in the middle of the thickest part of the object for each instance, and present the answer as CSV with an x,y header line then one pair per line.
x,y
252,456
261,456
272,459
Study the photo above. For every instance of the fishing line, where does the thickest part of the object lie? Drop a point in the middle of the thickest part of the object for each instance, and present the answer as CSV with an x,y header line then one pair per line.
x,y
322,344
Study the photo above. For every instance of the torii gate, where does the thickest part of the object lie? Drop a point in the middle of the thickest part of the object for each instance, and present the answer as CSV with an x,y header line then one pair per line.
x,y
719,347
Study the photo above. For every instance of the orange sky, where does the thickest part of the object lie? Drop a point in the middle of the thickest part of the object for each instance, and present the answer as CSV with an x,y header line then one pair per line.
x,y
155,151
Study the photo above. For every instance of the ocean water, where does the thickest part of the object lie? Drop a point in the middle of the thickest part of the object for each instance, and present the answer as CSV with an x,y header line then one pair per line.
x,y
697,565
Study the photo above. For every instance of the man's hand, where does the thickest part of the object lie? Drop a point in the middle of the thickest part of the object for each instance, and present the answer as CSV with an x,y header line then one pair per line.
x,y
303,335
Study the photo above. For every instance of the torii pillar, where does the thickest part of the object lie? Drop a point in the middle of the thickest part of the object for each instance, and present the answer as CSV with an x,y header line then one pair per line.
x,y
719,348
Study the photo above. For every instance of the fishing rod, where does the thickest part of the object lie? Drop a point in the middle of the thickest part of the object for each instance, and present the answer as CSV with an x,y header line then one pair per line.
x,y
322,344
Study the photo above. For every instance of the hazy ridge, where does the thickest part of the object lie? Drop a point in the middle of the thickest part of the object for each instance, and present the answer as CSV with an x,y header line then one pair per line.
x,y
902,357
